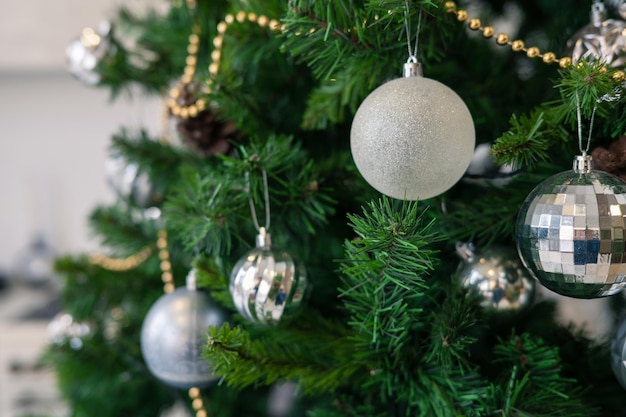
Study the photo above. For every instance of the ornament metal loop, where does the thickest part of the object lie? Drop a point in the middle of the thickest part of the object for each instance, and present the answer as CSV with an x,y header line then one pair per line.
x,y
263,239
583,164
412,69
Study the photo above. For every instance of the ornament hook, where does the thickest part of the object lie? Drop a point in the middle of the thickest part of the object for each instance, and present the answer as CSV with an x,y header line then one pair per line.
x,y
580,127
263,238
407,25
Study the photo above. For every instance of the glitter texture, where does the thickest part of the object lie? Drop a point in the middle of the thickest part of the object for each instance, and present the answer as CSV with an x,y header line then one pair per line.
x,y
412,138
570,234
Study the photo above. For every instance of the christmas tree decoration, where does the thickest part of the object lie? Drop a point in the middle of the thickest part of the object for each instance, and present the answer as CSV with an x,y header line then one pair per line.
x,y
618,6
570,232
602,38
130,184
84,54
64,329
484,171
618,354
268,284
413,137
173,333
497,276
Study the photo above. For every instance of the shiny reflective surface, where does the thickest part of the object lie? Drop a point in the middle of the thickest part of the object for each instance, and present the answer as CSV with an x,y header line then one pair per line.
x,y
570,234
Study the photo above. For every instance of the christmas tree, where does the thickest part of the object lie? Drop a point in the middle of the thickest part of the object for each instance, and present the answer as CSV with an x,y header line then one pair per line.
x,y
417,220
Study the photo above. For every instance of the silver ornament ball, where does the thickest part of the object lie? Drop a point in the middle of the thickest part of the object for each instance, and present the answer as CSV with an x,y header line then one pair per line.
x,y
84,53
412,138
267,284
173,333
130,183
618,354
570,232
498,277
484,171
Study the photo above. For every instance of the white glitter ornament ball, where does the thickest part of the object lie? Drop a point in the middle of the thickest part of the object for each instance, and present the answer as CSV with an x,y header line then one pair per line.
x,y
412,138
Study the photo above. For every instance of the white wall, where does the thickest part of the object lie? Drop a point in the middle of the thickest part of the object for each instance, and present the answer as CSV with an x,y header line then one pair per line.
x,y
55,130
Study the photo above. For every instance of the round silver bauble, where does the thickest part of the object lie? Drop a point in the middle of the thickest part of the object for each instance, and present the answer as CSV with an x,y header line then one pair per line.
x,y
484,171
268,284
618,354
130,183
570,232
84,53
497,276
412,138
602,38
173,333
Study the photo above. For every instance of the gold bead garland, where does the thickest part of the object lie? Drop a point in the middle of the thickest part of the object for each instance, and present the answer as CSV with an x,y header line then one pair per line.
x,y
197,403
191,110
166,265
121,264
517,45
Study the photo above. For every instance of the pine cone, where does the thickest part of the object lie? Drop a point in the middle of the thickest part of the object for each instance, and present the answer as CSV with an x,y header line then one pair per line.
x,y
612,160
205,133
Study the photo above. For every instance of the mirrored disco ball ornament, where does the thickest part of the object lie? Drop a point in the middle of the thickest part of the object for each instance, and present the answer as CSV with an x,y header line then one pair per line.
x,y
498,277
173,333
618,354
84,54
412,137
268,284
602,38
570,232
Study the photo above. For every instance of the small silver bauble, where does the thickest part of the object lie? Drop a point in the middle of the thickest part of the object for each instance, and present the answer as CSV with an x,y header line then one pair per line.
x,y
84,54
570,232
498,276
618,354
603,39
131,184
267,285
484,171
412,137
173,333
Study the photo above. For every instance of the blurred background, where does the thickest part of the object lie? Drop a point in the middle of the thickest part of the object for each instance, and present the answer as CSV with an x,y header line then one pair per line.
x,y
56,133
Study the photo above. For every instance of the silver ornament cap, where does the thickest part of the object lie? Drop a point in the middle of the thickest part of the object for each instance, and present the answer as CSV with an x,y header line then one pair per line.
x,y
173,333
413,137
570,232
268,284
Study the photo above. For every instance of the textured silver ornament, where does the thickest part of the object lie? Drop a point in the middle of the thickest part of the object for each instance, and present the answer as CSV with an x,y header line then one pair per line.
x,y
267,284
618,354
84,54
570,232
131,184
497,275
603,39
412,138
173,333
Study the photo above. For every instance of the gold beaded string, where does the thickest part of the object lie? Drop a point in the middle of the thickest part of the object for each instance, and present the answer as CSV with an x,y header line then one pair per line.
x,y
121,264
197,403
186,111
502,39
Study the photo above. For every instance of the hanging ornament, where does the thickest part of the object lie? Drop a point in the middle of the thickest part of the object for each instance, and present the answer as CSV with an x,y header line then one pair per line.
x,y
85,53
131,184
498,277
267,284
603,39
570,230
484,171
619,6
173,333
412,137
618,354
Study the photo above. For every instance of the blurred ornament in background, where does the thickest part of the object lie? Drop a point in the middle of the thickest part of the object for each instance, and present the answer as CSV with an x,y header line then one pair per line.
x,y
64,329
130,184
570,232
497,275
203,132
85,53
611,160
618,6
35,264
602,38
484,171
618,354
173,333
268,284
412,137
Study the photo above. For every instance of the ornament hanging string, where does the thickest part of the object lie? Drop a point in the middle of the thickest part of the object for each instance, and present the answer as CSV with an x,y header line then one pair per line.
x,y
266,197
580,127
407,25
